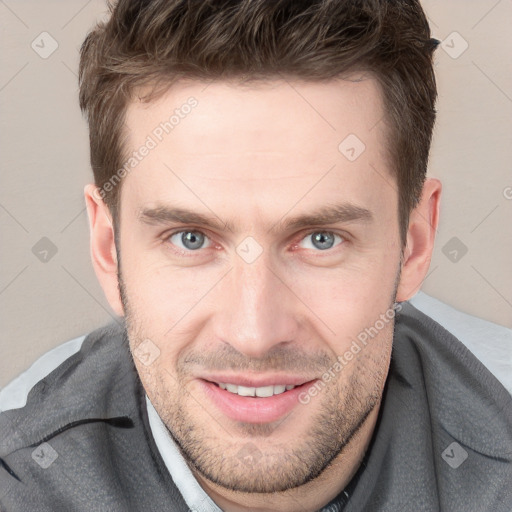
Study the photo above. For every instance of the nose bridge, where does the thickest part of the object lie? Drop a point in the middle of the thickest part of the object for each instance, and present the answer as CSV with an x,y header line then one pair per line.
x,y
257,310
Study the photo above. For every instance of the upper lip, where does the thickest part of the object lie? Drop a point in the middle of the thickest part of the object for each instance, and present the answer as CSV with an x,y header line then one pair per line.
x,y
258,381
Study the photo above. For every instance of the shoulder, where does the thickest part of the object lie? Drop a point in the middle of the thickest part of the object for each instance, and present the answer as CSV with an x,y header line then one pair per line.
x,y
489,342
14,395
88,371
463,396
446,418
82,437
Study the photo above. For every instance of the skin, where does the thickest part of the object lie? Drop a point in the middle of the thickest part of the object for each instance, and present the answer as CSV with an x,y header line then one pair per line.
x,y
254,157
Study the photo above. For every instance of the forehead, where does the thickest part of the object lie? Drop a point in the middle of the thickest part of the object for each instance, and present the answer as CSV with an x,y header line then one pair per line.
x,y
266,139
248,117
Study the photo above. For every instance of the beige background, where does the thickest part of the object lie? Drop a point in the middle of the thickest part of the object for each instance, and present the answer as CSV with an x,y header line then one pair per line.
x,y
44,150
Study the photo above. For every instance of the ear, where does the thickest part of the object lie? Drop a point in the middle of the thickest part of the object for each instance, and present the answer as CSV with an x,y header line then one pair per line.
x,y
421,233
103,248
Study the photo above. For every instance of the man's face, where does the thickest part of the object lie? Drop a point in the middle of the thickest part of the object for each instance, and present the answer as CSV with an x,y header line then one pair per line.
x,y
257,297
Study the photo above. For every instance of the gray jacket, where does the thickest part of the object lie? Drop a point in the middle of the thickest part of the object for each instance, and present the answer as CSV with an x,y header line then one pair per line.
x,y
443,441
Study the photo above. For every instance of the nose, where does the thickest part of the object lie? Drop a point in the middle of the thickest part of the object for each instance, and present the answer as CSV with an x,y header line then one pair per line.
x,y
257,311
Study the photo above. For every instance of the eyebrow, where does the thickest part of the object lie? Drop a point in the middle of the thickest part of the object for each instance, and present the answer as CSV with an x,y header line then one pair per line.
x,y
166,215
333,214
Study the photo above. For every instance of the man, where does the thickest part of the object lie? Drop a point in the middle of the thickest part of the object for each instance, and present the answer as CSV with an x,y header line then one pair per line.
x,y
259,219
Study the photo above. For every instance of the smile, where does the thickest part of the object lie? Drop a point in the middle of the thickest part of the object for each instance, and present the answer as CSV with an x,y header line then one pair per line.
x,y
262,392
261,402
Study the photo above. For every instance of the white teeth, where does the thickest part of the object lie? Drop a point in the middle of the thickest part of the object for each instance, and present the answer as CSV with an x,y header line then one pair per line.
x,y
263,391
243,391
232,388
279,389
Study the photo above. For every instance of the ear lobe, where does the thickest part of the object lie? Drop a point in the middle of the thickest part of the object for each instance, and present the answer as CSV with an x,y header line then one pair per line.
x,y
421,233
103,247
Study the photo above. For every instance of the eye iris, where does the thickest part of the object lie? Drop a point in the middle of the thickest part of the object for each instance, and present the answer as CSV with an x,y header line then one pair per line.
x,y
323,240
192,240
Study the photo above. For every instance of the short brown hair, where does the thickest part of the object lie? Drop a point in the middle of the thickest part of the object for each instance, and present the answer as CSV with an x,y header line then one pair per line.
x,y
157,42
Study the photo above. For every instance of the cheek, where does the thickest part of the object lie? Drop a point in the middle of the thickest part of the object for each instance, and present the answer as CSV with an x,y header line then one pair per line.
x,y
352,299
162,293
167,307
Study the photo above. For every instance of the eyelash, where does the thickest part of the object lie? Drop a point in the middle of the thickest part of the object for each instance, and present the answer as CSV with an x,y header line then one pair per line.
x,y
190,253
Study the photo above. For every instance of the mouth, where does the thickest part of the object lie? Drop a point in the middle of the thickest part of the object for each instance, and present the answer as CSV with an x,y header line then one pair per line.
x,y
261,392
261,402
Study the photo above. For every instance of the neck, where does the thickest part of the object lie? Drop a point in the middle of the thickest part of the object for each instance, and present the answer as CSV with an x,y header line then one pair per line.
x,y
309,497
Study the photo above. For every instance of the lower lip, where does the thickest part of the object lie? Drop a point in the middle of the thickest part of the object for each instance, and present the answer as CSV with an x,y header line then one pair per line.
x,y
250,409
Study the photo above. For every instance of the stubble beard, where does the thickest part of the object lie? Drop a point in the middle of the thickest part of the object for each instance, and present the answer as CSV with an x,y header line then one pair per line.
x,y
271,467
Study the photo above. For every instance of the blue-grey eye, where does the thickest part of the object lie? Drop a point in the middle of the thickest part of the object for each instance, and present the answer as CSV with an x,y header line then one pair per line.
x,y
189,240
321,240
